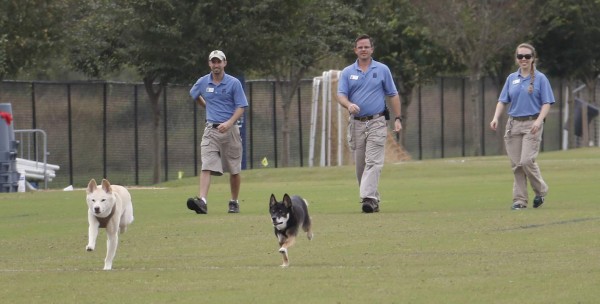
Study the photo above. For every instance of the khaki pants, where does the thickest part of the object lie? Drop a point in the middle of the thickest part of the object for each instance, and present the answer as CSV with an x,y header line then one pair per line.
x,y
221,152
367,142
522,148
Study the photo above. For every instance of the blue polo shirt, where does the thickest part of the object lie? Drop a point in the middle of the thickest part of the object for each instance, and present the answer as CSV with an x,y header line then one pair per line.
x,y
367,90
516,92
221,99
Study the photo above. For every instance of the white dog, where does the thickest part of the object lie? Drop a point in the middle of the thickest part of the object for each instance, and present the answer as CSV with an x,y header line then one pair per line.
x,y
109,207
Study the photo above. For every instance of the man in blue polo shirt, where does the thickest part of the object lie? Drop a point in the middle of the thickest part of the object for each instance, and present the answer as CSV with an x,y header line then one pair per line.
x,y
221,148
363,88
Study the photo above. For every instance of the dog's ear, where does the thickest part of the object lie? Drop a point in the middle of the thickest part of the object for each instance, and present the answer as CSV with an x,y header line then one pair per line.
x,y
106,186
91,186
273,200
287,201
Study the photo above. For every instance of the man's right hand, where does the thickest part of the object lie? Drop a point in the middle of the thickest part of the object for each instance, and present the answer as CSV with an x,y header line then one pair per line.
x,y
353,108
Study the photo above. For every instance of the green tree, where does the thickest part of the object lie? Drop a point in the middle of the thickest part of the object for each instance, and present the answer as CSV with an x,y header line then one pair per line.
x,y
145,34
402,43
566,37
166,41
298,35
476,32
30,31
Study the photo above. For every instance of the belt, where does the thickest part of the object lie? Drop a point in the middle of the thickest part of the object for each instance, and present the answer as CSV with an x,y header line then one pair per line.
x,y
526,118
366,118
212,125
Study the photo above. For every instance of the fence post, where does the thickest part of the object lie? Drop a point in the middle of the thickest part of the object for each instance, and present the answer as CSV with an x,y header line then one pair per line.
x,y
274,92
300,127
70,130
462,114
420,124
482,114
251,117
442,115
166,135
136,135
104,129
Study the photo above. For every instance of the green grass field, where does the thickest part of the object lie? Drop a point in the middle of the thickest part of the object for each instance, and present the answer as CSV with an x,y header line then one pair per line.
x,y
445,234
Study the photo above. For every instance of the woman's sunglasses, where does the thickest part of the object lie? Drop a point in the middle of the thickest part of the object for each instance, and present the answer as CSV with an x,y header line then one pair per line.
x,y
526,56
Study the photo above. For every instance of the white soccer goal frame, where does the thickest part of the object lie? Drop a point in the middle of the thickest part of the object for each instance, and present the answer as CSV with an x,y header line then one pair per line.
x,y
322,91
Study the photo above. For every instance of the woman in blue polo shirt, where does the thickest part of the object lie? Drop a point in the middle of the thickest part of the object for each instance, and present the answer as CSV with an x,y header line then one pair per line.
x,y
529,96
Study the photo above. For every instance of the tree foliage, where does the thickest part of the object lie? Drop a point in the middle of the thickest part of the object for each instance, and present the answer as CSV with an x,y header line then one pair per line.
x,y
476,32
30,30
566,40
167,41
155,37
293,37
402,43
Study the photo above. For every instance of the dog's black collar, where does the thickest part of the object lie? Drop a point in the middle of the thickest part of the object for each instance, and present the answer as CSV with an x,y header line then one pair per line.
x,y
104,220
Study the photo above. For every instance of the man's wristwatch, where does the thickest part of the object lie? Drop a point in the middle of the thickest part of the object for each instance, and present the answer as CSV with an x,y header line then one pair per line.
x,y
399,118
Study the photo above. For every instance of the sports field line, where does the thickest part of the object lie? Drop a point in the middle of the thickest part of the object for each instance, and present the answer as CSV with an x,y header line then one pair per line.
x,y
565,222
158,269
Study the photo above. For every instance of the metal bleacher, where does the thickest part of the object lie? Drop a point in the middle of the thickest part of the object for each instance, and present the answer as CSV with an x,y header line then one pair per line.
x,y
32,157
22,152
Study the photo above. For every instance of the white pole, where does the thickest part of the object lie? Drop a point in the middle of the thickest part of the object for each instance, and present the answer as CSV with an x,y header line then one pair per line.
x,y
339,119
323,120
313,120
565,141
329,118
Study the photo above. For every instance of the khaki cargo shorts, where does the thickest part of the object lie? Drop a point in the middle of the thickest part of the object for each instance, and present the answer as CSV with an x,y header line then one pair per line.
x,y
221,152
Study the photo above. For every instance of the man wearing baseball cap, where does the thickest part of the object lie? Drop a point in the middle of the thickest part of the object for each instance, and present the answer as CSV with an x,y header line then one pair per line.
x,y
224,99
217,54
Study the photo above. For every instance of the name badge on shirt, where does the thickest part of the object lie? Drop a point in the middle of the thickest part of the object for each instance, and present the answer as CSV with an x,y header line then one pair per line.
x,y
353,77
210,90
516,81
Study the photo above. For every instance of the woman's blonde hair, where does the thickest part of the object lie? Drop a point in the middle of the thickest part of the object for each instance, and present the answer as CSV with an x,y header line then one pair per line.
x,y
532,68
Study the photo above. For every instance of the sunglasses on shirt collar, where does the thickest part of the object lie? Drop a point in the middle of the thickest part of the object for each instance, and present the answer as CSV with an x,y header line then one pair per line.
x,y
526,56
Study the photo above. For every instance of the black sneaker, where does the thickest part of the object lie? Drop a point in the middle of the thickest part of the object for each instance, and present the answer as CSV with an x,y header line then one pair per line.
x,y
538,201
234,206
370,205
197,204
518,206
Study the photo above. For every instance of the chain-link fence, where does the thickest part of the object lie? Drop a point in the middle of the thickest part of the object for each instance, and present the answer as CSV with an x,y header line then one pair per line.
x,y
105,129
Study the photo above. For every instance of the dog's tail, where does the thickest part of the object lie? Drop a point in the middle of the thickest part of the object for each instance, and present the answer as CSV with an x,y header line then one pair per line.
x,y
307,224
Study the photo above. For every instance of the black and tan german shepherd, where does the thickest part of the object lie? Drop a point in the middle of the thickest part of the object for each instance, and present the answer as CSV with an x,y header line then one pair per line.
x,y
287,217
